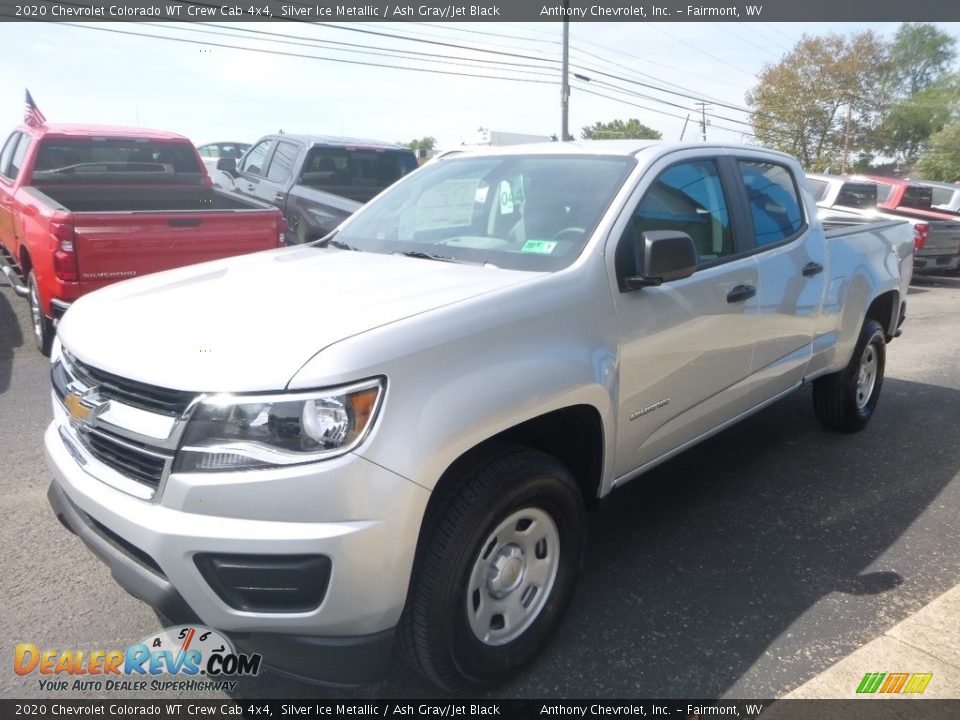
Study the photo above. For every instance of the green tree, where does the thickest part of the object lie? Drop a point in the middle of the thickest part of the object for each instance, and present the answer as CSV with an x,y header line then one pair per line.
x,y
618,130
424,143
919,55
941,159
812,104
908,124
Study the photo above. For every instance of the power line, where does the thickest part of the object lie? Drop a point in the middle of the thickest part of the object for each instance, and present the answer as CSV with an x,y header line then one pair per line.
x,y
701,50
375,51
653,110
298,55
727,27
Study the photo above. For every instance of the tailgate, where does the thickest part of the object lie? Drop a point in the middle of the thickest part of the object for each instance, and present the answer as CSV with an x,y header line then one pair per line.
x,y
122,245
943,238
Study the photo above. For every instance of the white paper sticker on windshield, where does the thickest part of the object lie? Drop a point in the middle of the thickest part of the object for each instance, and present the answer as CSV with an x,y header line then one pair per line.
x,y
449,204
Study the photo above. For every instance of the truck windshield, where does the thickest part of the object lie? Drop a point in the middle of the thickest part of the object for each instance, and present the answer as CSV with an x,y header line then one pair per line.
x,y
93,160
522,212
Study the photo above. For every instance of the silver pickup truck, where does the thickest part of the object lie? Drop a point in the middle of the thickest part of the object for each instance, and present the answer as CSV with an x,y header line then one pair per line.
x,y
390,436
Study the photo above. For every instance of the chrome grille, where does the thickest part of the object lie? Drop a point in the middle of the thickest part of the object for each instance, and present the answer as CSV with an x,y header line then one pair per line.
x,y
130,428
131,392
126,458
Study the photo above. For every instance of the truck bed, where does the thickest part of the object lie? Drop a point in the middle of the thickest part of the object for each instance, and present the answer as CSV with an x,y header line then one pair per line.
x,y
841,226
163,198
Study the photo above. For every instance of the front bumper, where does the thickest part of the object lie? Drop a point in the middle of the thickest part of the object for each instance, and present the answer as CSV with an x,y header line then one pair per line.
x,y
150,548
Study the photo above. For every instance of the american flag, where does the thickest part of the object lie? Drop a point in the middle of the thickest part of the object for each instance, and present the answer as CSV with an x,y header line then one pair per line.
x,y
31,114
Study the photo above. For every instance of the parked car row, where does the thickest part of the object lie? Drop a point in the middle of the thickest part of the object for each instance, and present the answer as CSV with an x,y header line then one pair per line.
x,y
932,208
83,206
317,181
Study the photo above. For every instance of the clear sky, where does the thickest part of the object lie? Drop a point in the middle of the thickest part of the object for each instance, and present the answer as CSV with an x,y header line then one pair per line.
x,y
209,92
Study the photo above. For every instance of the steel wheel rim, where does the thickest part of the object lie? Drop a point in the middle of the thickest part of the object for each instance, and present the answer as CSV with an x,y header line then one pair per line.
x,y
867,376
513,576
35,314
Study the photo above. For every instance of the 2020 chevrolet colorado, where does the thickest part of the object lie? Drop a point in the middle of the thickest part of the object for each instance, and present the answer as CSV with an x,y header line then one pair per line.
x,y
394,432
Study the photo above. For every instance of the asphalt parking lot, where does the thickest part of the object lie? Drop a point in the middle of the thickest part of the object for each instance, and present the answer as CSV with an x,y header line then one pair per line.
x,y
742,568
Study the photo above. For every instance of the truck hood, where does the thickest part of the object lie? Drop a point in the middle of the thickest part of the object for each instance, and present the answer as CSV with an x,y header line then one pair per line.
x,y
249,323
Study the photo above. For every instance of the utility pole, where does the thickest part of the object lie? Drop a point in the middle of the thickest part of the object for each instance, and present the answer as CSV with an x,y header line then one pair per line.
x,y
684,131
565,83
703,119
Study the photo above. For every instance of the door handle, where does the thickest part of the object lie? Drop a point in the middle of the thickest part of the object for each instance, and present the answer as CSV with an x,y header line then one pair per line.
x,y
278,198
812,268
741,293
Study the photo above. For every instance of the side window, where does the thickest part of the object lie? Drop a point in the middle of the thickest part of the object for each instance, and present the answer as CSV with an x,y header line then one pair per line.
x,y
771,200
7,154
18,155
688,197
282,164
942,196
253,163
327,169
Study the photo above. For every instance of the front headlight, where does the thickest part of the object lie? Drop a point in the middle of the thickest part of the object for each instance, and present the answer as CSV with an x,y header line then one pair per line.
x,y
242,432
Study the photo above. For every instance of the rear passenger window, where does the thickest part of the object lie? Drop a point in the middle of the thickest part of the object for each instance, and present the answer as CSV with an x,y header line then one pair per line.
x,y
281,166
772,201
689,198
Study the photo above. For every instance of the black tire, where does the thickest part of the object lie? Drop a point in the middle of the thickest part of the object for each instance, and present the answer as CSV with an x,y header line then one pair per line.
x,y
43,330
845,401
436,631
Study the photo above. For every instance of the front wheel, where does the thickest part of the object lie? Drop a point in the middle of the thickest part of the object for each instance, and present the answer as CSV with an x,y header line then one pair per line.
x,y
499,556
43,330
845,401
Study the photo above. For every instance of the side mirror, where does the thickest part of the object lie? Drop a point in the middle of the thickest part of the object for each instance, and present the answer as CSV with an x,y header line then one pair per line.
x,y
227,165
667,255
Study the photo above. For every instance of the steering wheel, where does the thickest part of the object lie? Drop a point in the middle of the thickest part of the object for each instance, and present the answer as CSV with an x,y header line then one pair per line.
x,y
577,232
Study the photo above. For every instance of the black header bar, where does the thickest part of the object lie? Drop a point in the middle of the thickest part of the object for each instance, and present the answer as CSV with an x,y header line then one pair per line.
x,y
478,10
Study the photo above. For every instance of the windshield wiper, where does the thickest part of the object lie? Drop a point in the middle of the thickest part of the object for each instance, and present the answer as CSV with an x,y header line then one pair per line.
x,y
433,256
330,242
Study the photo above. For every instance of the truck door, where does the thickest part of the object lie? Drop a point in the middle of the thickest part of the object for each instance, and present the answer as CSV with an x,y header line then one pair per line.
x,y
791,261
253,169
8,172
685,345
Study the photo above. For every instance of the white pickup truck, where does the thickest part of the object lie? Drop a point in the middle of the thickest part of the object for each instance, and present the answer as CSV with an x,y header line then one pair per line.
x,y
391,436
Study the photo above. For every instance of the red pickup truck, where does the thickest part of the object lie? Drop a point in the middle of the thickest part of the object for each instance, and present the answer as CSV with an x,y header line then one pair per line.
x,y
84,206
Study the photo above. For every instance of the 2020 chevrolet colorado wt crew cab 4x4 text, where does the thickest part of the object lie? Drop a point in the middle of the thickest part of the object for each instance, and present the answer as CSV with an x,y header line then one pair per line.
x,y
398,439
83,206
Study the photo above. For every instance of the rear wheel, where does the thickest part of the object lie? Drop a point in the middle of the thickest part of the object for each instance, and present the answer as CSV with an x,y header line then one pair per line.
x,y
43,330
845,401
499,555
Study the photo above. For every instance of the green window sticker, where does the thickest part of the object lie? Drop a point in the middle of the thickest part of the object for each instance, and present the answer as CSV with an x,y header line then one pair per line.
x,y
541,247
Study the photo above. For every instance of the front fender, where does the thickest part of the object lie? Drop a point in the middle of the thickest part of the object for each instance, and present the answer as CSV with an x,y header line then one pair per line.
x,y
461,374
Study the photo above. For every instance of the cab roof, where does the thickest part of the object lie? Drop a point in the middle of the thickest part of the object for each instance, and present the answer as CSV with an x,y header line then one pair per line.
x,y
89,131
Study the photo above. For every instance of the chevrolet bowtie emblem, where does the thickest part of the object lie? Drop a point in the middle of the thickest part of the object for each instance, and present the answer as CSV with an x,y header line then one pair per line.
x,y
82,407
76,408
